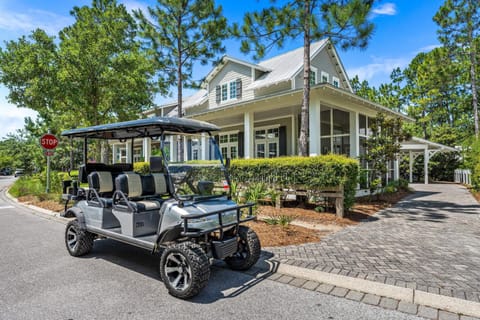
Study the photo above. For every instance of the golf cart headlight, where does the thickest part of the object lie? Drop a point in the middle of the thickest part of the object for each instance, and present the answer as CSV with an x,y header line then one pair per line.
x,y
198,220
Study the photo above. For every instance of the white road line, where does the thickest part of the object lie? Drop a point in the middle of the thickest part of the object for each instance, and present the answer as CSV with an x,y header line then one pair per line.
x,y
7,207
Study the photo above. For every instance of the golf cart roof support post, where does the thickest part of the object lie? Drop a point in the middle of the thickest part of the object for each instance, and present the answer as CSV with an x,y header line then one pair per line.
x,y
85,150
165,166
71,154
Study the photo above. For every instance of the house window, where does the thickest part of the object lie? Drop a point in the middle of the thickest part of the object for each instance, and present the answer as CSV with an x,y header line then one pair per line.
x,y
196,146
267,142
324,77
313,76
121,155
137,154
224,92
229,145
335,82
335,131
233,89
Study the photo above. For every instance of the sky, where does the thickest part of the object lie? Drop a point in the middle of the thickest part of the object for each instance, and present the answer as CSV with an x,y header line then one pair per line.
x,y
403,28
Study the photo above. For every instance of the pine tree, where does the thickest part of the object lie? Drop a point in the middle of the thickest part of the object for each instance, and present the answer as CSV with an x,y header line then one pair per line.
x,y
344,22
459,22
180,33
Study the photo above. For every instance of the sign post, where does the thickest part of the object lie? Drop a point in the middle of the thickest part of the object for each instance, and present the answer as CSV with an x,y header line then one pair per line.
x,y
48,142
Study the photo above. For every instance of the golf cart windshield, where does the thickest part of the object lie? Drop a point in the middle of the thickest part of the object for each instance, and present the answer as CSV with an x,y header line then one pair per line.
x,y
194,178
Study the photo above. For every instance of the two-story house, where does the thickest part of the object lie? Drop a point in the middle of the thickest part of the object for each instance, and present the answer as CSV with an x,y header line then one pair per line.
x,y
258,105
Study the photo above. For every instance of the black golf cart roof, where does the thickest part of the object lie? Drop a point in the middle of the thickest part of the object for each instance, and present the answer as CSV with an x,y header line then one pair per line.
x,y
149,127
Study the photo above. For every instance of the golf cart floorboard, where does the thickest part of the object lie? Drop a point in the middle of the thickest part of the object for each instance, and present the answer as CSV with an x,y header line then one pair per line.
x,y
146,242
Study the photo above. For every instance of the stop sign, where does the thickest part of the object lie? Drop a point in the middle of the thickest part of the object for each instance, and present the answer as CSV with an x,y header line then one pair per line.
x,y
48,141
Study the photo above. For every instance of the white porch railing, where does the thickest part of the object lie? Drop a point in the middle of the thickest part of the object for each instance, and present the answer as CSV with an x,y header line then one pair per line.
x,y
463,176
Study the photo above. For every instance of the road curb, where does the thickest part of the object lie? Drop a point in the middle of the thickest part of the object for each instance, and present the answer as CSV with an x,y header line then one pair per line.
x,y
43,212
445,303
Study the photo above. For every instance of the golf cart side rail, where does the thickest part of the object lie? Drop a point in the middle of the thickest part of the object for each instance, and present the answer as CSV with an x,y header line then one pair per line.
x,y
221,225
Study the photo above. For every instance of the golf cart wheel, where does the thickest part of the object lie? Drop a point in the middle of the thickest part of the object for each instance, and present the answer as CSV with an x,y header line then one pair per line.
x,y
79,242
185,269
248,250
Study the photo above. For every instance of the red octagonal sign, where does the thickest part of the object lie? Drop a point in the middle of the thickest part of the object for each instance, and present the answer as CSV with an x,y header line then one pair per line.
x,y
48,141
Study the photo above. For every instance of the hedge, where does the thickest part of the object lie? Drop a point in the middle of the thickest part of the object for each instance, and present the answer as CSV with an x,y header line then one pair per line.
x,y
312,173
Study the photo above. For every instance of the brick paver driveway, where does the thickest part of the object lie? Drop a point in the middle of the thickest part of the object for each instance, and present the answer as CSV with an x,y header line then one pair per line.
x,y
430,241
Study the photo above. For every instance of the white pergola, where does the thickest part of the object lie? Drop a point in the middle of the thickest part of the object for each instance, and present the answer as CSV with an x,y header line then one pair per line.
x,y
417,146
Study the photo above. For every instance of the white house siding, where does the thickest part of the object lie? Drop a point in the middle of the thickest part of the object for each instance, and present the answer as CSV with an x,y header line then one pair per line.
x,y
230,72
322,62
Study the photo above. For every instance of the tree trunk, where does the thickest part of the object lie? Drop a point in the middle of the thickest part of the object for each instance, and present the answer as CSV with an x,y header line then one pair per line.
x,y
304,126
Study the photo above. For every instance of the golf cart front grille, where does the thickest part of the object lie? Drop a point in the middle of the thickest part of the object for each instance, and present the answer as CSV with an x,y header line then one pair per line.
x,y
221,225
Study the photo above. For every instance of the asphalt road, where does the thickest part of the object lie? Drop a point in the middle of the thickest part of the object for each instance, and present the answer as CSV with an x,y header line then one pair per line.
x,y
40,280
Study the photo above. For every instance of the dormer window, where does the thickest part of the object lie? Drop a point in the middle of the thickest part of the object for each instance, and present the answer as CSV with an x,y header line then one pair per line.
x,y
324,77
224,92
335,82
313,75
229,91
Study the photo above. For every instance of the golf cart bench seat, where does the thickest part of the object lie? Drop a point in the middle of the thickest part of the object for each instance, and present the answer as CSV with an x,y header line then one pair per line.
x,y
137,201
137,193
101,189
115,169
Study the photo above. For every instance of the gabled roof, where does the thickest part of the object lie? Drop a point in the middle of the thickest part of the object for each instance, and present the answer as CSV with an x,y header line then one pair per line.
x,y
416,144
224,60
285,66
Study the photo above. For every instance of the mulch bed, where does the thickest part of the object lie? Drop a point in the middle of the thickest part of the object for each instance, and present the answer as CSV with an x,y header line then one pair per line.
x,y
277,235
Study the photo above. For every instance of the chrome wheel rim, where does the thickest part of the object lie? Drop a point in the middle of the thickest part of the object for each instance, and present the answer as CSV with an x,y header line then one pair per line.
x,y
178,271
72,238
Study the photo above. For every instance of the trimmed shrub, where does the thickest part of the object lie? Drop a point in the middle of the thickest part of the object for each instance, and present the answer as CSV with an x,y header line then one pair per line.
x,y
311,173
141,167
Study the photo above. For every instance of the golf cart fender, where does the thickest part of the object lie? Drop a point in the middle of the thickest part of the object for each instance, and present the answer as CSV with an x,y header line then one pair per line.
x,y
76,213
169,234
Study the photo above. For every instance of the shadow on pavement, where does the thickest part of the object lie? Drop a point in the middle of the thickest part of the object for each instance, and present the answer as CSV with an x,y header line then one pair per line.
x,y
224,283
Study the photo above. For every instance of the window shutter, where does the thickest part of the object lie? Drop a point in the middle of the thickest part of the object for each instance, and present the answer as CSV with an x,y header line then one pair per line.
x,y
218,94
239,88
282,141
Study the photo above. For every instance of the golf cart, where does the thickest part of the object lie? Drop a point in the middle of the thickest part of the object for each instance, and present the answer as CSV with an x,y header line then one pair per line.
x,y
182,209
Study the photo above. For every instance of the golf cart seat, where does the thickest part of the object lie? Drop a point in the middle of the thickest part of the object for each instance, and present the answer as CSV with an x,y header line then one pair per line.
x,y
100,192
134,205
135,193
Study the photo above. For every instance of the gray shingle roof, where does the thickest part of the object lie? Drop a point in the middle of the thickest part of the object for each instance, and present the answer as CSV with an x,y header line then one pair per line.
x,y
284,66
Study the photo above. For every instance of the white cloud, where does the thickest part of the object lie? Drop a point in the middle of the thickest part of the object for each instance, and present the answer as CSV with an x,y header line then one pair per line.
x,y
135,5
388,9
428,48
32,19
380,68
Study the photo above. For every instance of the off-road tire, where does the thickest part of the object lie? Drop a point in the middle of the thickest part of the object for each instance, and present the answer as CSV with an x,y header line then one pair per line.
x,y
248,250
184,269
78,242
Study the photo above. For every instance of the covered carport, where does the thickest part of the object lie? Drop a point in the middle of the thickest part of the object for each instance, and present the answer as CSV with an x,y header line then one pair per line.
x,y
415,147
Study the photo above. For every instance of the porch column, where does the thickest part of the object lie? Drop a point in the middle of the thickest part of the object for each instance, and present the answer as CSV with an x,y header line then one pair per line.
x,y
128,146
114,153
185,149
396,169
147,149
249,150
354,138
173,148
294,135
410,166
204,147
314,127
426,160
